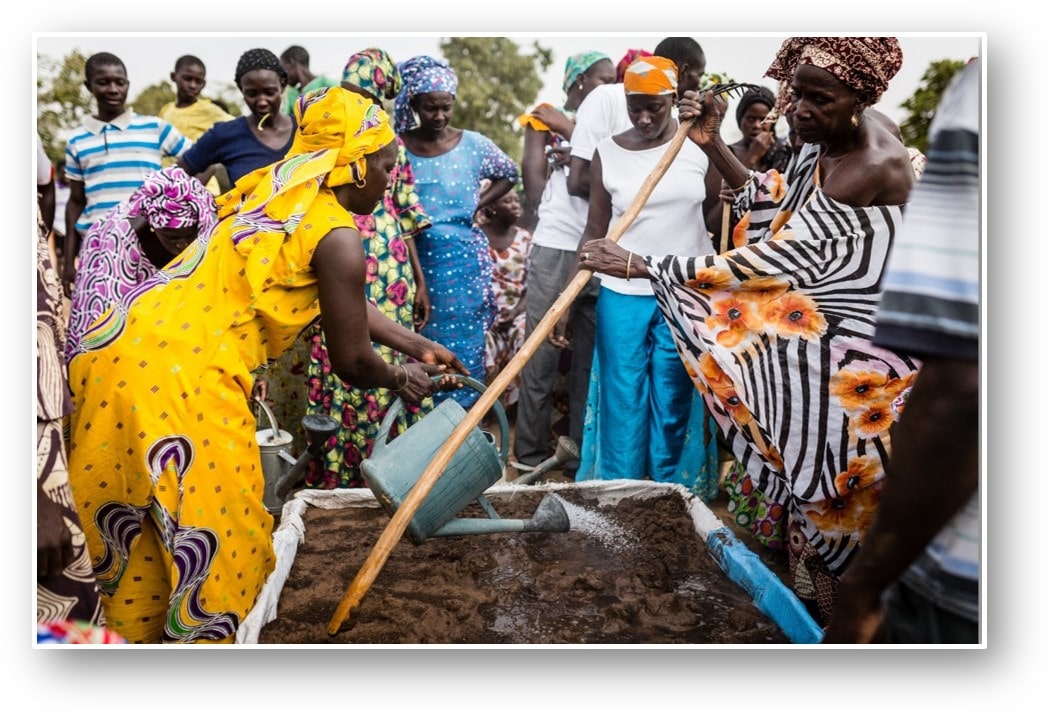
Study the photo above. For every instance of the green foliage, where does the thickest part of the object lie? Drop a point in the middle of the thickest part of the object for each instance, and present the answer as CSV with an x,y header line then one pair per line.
x,y
922,105
495,84
62,100
150,100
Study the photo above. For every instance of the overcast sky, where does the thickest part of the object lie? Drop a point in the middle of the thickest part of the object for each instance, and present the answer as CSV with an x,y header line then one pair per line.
x,y
150,57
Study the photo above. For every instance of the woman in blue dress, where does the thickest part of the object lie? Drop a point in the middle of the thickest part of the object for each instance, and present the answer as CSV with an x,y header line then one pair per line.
x,y
449,164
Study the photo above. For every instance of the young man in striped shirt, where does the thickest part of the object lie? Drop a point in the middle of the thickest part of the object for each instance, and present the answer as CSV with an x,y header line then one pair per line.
x,y
110,154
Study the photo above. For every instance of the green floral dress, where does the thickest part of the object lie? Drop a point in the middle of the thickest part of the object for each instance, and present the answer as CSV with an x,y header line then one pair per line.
x,y
391,287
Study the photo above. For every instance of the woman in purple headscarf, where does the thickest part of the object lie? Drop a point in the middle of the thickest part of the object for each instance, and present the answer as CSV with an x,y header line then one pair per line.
x,y
133,241
449,164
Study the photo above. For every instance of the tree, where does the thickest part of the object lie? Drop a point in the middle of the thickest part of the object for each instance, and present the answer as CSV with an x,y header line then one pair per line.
x,y
922,105
62,100
150,100
495,84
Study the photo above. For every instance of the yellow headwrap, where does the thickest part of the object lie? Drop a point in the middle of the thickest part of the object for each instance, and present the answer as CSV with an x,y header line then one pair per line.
x,y
651,75
337,129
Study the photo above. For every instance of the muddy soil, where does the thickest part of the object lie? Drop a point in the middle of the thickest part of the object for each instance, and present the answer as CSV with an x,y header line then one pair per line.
x,y
631,573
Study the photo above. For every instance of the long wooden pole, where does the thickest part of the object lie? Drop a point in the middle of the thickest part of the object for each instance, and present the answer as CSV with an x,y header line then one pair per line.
x,y
414,499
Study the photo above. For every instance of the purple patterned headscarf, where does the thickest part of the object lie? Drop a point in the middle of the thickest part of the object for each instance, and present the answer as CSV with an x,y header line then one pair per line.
x,y
171,198
420,75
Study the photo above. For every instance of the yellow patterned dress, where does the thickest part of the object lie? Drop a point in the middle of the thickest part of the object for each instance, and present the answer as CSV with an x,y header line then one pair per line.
x,y
164,463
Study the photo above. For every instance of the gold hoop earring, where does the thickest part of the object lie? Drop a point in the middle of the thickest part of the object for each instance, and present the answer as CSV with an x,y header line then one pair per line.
x,y
855,120
356,174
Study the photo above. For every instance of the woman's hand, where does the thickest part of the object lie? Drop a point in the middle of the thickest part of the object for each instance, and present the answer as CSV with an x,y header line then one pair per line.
x,y
435,353
260,389
418,380
759,145
707,112
560,335
421,308
606,257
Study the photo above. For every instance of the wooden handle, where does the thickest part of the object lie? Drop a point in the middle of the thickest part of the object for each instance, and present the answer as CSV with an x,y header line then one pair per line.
x,y
725,225
414,499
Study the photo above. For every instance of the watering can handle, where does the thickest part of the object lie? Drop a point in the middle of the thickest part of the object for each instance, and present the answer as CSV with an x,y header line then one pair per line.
x,y
274,431
399,404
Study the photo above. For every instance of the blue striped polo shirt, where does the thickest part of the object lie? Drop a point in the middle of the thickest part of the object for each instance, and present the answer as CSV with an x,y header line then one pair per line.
x,y
113,158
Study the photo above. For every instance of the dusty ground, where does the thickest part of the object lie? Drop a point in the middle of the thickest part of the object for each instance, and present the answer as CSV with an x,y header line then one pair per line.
x,y
633,573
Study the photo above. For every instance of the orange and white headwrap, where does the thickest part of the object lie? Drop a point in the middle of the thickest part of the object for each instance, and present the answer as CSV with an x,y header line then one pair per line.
x,y
651,75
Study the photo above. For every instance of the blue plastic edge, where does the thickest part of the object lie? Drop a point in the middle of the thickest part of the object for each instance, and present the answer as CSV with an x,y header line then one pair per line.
x,y
771,596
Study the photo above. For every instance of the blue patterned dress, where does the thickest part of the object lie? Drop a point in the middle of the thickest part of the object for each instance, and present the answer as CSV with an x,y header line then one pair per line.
x,y
454,252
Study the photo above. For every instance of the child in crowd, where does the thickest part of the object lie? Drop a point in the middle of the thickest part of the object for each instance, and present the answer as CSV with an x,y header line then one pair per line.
x,y
509,248
193,114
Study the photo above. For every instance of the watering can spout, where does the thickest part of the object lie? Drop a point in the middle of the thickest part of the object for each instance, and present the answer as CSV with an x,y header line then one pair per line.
x,y
550,517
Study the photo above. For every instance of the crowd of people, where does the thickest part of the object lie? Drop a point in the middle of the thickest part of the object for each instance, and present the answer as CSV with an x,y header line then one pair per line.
x,y
760,311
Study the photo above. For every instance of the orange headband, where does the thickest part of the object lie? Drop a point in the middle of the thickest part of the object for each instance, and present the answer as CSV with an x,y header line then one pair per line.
x,y
651,75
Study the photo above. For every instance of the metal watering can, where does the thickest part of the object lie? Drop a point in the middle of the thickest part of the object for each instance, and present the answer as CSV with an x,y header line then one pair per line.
x,y
394,467
281,470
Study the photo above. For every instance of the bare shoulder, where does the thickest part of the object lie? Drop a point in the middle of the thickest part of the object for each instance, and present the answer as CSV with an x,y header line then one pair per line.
x,y
878,173
338,247
891,169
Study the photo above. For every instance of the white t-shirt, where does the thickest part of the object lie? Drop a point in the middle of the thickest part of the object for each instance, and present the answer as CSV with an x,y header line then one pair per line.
x,y
560,217
672,221
603,113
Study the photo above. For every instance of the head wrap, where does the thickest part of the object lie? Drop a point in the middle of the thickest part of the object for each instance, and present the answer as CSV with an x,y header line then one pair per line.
x,y
259,59
862,63
578,64
420,75
171,198
651,75
630,57
374,71
336,129
760,95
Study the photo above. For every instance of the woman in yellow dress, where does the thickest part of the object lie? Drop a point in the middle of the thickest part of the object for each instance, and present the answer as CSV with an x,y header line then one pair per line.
x,y
164,463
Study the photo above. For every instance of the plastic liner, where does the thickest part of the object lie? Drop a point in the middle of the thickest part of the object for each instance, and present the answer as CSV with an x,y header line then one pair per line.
x,y
741,565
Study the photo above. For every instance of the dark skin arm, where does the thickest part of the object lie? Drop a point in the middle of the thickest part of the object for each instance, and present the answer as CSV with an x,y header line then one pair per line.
x,y
339,261
203,177
555,119
421,298
497,188
934,470
534,175
74,207
579,182
600,209
46,201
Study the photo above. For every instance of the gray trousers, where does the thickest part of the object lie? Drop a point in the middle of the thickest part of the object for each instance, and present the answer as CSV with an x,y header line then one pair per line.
x,y
550,269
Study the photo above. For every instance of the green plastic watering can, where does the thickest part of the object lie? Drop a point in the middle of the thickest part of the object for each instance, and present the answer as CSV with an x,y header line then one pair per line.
x,y
394,467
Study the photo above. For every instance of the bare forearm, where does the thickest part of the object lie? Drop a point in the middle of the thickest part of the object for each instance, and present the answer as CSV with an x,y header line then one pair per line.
x,y
730,169
390,334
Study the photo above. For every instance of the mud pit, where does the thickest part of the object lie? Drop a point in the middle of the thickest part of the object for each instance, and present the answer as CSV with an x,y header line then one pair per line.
x,y
634,572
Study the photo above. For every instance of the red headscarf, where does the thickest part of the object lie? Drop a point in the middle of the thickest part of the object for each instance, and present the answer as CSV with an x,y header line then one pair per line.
x,y
859,62
630,57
